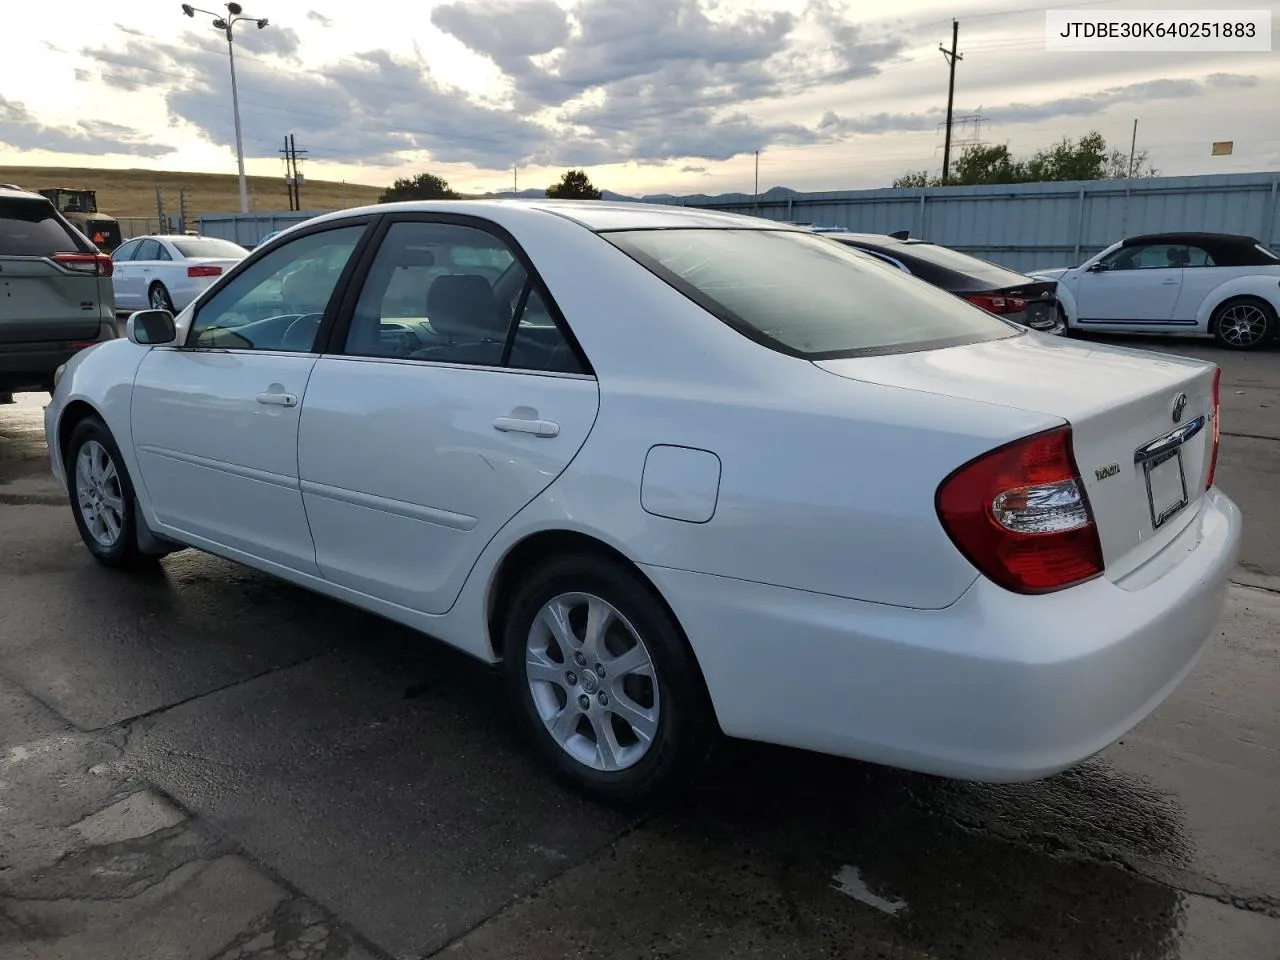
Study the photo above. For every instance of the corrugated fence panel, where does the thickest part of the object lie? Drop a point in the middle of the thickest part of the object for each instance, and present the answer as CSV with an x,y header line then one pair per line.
x,y
1030,226
1025,226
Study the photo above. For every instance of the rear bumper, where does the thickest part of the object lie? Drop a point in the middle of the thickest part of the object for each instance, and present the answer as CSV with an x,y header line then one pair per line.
x,y
30,366
997,687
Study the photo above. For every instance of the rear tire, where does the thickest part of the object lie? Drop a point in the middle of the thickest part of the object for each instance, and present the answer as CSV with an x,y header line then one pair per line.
x,y
159,298
102,497
604,685
1244,323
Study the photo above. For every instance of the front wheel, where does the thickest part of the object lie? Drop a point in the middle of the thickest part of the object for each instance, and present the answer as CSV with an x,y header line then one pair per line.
x,y
102,496
603,681
1244,324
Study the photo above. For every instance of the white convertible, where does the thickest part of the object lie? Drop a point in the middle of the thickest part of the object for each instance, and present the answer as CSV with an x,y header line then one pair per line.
x,y
1219,284
681,473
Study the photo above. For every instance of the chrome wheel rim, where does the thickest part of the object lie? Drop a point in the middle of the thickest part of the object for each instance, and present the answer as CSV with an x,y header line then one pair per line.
x,y
592,681
1243,325
158,299
98,494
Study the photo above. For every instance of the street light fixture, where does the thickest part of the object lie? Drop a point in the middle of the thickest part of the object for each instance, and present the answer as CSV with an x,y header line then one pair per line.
x,y
227,25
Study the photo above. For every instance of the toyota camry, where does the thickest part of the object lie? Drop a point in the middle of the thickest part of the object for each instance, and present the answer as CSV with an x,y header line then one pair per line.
x,y
682,474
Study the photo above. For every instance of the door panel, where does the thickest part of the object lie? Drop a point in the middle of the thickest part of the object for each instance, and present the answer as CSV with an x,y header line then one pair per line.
x,y
406,478
1140,285
216,461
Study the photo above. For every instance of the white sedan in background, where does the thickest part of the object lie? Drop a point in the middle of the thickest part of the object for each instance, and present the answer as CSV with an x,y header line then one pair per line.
x,y
680,473
169,272
1214,283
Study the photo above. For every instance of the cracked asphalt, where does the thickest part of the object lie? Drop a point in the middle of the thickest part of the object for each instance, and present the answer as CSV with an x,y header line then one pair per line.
x,y
205,763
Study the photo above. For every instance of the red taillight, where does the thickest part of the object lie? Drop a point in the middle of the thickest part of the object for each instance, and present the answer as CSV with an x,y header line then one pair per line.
x,y
997,304
204,270
1021,516
95,264
1217,427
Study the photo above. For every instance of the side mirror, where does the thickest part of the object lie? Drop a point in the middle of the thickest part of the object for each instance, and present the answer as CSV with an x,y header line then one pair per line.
x,y
151,328
1098,267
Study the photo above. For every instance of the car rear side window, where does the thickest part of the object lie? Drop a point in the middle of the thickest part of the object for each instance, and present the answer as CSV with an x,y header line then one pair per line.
x,y
30,228
803,295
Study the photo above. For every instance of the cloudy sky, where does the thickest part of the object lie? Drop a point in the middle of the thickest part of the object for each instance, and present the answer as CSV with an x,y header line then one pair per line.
x,y
648,95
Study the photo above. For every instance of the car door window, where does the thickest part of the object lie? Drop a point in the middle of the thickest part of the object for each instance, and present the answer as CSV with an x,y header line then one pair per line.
x,y
126,253
162,253
430,295
1199,257
538,343
1153,256
277,302
148,250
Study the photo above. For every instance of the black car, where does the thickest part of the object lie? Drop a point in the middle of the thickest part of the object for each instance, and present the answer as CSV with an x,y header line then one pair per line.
x,y
1020,299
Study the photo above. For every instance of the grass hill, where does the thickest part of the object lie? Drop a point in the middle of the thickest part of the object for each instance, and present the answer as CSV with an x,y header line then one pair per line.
x,y
132,193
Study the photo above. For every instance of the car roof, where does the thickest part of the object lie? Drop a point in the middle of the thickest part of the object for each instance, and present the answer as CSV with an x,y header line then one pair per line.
x,y
12,190
1230,239
595,215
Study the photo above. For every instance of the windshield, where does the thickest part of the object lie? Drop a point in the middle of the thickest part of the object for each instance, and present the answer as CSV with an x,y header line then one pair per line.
x,y
804,295
209,247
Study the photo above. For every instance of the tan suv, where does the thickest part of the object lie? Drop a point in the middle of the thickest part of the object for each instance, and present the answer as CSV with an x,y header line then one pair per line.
x,y
55,292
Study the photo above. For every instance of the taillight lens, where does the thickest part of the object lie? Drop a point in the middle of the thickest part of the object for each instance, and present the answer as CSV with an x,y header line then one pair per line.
x,y
204,270
94,264
1217,427
997,305
1021,516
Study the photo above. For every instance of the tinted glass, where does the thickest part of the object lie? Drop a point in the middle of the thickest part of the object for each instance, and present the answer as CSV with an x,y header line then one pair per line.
x,y
1159,256
278,302
149,250
429,296
126,252
162,253
538,343
972,266
210,247
29,228
805,295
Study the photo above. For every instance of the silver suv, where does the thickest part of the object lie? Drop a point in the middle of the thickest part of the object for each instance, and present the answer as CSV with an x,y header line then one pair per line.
x,y
55,292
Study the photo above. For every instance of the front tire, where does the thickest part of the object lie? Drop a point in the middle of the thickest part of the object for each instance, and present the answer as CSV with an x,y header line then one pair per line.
x,y
102,499
1245,323
604,685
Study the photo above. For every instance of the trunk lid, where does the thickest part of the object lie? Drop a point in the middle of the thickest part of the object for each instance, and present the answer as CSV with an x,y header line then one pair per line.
x,y
1031,303
43,302
1118,401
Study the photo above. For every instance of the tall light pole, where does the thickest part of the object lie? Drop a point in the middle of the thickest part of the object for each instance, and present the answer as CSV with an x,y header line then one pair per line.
x,y
227,24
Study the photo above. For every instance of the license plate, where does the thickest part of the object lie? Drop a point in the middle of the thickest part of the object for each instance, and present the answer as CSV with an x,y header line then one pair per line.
x,y
1166,487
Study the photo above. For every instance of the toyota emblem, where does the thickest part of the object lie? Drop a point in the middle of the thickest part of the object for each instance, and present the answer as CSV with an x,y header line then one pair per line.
x,y
1179,405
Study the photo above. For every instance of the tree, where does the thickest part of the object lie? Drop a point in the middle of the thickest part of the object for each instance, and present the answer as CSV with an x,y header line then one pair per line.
x,y
425,186
574,185
1088,158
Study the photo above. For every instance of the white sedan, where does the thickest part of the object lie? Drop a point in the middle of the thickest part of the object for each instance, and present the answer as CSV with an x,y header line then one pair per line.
x,y
682,473
168,273
1207,283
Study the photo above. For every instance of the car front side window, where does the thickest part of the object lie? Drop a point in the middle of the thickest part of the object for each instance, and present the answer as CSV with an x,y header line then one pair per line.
x,y
277,302
429,296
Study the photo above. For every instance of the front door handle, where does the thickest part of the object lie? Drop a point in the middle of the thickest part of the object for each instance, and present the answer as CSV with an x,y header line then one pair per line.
x,y
278,399
1170,281
539,428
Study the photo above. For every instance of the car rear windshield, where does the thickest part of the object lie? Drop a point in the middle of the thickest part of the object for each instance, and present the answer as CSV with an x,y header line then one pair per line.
x,y
210,247
29,228
964,263
803,295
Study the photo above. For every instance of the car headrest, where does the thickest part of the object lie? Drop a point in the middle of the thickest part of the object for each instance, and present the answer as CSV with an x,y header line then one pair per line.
x,y
463,305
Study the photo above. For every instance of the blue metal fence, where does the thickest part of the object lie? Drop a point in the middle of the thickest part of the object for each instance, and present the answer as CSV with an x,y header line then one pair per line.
x,y
1031,226
1025,226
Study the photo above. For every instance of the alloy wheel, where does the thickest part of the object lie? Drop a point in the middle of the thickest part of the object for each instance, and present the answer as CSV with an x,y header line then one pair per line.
x,y
1243,325
99,494
592,681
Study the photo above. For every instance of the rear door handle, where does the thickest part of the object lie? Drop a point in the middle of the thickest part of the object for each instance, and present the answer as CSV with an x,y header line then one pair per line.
x,y
539,428
1170,281
278,399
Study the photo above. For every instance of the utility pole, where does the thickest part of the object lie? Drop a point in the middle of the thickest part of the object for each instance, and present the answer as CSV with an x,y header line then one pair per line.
x,y
515,179
288,175
162,222
297,177
1133,146
757,191
952,56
